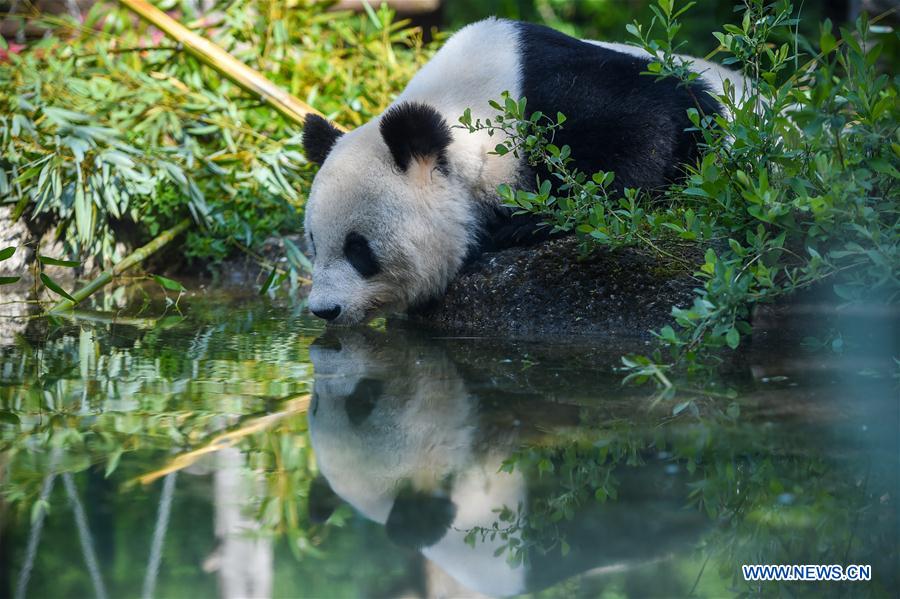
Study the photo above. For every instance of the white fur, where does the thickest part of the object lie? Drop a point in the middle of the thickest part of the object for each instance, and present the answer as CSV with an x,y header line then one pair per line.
x,y
713,74
420,430
476,65
418,223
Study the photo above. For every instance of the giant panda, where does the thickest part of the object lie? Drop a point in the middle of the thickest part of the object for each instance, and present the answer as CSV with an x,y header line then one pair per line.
x,y
414,440
401,203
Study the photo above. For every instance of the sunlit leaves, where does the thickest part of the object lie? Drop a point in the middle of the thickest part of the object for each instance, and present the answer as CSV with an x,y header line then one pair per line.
x,y
6,254
152,137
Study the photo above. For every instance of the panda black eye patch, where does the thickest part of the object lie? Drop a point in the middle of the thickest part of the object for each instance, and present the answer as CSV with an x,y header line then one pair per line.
x,y
360,256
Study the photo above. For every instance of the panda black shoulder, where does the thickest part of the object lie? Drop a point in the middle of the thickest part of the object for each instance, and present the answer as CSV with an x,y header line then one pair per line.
x,y
618,118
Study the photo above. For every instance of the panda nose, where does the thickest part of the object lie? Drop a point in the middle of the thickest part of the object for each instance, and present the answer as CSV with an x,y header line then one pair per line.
x,y
327,314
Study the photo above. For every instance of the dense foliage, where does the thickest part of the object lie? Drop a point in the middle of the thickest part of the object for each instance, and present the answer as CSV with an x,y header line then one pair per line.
x,y
797,185
116,134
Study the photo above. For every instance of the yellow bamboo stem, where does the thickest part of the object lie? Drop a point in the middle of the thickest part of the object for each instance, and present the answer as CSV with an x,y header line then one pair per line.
x,y
298,405
223,62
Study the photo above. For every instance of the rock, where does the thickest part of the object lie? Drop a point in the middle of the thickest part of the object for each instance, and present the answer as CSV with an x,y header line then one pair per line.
x,y
13,298
554,289
14,234
17,300
242,270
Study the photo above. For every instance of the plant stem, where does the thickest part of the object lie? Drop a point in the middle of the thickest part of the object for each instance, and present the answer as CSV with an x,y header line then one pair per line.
x,y
222,62
133,259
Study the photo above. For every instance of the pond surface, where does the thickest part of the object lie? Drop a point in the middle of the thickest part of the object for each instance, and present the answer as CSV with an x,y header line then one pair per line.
x,y
240,450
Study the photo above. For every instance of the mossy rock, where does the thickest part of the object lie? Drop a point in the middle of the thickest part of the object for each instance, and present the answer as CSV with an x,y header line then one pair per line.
x,y
554,288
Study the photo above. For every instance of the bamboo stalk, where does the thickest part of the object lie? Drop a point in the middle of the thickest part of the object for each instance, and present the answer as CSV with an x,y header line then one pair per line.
x,y
109,318
133,259
223,62
296,405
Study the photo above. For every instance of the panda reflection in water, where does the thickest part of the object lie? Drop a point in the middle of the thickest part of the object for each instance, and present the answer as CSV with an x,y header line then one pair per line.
x,y
399,435
401,203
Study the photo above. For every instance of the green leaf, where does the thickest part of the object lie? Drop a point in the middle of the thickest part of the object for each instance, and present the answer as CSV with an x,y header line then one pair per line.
x,y
38,508
732,338
48,261
268,282
112,462
8,417
8,280
680,408
372,16
55,288
7,253
83,214
169,284
296,257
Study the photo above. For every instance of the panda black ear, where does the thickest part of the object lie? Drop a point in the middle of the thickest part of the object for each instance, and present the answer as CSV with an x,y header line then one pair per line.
x,y
416,132
419,519
318,138
322,501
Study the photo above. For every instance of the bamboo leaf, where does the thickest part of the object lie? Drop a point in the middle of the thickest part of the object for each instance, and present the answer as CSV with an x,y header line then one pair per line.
x,y
169,284
55,288
7,253
48,261
8,280
296,257
82,212
268,283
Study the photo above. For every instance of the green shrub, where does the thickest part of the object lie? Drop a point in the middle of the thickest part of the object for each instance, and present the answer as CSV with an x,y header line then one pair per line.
x,y
797,187
102,125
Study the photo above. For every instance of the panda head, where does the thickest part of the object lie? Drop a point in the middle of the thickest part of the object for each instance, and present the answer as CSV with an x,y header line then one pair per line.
x,y
384,220
390,423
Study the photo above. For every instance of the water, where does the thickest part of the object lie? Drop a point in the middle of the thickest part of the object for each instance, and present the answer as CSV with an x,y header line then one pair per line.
x,y
238,450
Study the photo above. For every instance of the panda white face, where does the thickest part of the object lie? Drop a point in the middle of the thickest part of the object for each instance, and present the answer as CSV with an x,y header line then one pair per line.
x,y
385,417
384,218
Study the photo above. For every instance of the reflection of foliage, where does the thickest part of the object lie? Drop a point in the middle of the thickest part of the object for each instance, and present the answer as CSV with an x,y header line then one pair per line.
x,y
100,393
776,497
118,401
778,503
578,472
285,457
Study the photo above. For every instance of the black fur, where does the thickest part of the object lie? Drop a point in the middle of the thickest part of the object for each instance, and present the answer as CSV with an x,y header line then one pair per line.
x,y
360,403
419,519
415,130
321,501
617,119
318,138
501,228
359,254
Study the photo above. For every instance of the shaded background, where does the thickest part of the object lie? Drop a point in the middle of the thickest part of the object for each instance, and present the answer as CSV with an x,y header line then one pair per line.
x,y
600,19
